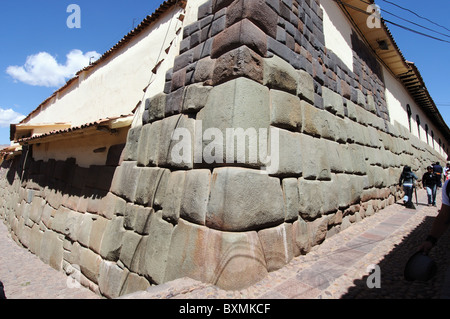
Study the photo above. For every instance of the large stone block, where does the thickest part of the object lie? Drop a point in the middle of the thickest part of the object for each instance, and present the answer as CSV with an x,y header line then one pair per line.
x,y
195,98
277,245
241,33
84,229
305,89
176,142
290,153
256,11
98,229
316,163
279,74
229,260
286,110
155,254
301,237
90,264
111,279
291,199
137,218
333,102
231,123
173,196
195,196
51,251
243,199
130,252
317,198
131,147
148,182
111,243
125,180
240,62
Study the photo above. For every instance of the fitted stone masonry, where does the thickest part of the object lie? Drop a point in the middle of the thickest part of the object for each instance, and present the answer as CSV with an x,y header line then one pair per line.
x,y
147,219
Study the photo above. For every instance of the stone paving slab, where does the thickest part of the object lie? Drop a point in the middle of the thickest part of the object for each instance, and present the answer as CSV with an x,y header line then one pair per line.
x,y
25,276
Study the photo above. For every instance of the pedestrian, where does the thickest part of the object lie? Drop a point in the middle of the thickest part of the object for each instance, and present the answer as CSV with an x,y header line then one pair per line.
x,y
437,169
429,181
446,171
2,291
440,223
406,180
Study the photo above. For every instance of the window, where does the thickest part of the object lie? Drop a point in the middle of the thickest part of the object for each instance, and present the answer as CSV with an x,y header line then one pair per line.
x,y
426,133
432,138
418,125
408,109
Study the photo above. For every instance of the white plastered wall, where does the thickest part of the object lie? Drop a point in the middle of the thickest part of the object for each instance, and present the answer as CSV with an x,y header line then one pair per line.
x,y
117,84
397,99
337,32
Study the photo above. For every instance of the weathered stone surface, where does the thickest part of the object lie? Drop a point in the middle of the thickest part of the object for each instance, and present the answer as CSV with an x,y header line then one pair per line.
x,y
90,264
305,89
84,229
195,97
130,151
291,199
137,218
243,199
129,254
316,164
155,254
51,251
125,180
133,283
301,238
35,240
111,279
98,228
277,246
311,119
176,143
147,185
111,205
235,262
204,70
256,11
311,198
318,230
195,196
37,206
112,239
241,61
333,102
241,33
286,110
290,152
174,196
237,106
279,74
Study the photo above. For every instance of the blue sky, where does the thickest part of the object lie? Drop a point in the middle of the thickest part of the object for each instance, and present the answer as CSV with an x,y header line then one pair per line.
x,y
39,52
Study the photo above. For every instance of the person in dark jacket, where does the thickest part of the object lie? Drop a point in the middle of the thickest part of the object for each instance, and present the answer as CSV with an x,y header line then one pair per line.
x,y
407,181
429,181
2,291
437,169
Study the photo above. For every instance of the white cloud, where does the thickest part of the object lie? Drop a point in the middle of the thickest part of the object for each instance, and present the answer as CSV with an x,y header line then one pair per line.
x,y
9,116
42,69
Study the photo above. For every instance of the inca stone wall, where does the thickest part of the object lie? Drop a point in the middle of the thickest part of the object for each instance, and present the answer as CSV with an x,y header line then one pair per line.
x,y
149,218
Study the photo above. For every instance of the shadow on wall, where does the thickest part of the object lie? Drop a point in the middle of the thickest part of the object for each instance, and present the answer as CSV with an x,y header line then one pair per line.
x,y
393,283
66,177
